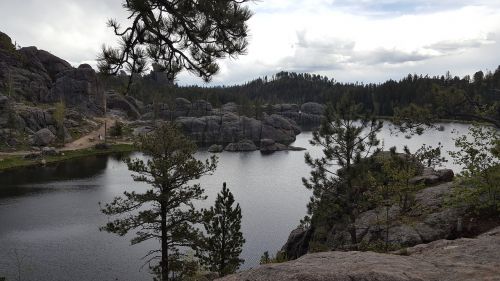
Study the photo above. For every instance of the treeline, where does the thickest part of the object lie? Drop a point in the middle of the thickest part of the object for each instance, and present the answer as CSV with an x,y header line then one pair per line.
x,y
290,87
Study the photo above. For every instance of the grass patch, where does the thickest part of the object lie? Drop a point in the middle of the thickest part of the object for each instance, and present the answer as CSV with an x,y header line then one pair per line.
x,y
13,162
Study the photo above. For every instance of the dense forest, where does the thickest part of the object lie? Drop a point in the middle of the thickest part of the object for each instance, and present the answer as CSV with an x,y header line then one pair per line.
x,y
290,87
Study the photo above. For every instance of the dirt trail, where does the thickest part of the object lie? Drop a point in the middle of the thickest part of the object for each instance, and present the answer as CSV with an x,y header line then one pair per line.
x,y
92,138
84,142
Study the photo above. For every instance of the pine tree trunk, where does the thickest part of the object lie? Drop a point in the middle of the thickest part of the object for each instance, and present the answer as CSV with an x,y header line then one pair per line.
x,y
164,244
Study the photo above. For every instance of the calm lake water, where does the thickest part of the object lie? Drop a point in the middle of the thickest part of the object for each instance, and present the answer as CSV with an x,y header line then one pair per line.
x,y
49,217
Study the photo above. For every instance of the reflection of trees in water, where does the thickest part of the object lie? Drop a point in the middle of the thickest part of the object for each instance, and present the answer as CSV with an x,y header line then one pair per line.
x,y
10,181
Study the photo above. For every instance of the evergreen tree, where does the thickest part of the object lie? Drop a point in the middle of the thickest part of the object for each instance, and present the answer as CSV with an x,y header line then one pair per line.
x,y
347,137
165,210
59,115
221,248
478,155
177,35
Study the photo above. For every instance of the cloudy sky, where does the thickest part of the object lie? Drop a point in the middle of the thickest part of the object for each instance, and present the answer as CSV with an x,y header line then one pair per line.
x,y
364,40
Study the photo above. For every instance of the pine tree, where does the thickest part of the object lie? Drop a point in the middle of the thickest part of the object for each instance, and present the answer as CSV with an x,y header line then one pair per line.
x,y
222,246
348,137
177,35
165,211
59,115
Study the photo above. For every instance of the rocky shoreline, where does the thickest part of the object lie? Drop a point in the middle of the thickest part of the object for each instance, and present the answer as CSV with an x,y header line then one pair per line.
x,y
443,260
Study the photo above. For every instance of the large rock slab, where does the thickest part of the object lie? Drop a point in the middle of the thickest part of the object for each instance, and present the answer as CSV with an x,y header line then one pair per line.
x,y
443,260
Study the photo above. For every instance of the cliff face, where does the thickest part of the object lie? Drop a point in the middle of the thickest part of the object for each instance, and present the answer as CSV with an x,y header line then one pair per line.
x,y
33,75
31,81
443,260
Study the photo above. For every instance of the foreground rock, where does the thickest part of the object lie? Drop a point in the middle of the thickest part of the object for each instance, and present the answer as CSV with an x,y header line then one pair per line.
x,y
443,260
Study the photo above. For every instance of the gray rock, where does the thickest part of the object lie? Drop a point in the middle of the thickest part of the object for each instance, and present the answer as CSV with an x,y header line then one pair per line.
x,y
44,137
404,235
201,108
273,147
297,244
443,260
52,64
32,156
229,128
313,108
279,128
182,107
79,88
430,176
445,175
116,101
267,142
49,151
230,107
281,108
304,119
241,146
35,118
142,130
216,148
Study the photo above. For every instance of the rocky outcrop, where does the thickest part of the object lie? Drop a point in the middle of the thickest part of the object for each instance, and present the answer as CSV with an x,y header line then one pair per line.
x,y
45,61
115,101
443,260
230,107
40,77
297,244
241,146
309,114
269,146
79,88
216,148
313,108
228,128
428,219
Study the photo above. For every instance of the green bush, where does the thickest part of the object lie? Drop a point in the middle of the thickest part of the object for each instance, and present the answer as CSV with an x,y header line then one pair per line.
x,y
117,130
279,258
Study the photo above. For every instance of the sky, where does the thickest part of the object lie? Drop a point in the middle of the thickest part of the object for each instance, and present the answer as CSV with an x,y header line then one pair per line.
x,y
366,41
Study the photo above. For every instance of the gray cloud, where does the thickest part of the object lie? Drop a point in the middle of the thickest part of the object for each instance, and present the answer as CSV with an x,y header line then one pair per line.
x,y
75,30
402,7
334,54
448,47
386,56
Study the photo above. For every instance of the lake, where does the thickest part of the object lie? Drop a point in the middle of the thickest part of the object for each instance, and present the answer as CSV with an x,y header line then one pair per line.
x,y
49,217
